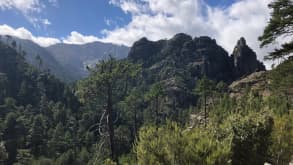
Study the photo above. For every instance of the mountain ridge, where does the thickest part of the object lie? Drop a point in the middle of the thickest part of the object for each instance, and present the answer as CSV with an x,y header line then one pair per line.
x,y
178,63
78,57
65,60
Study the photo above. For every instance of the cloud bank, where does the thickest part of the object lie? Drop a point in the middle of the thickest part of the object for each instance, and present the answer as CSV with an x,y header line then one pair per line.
x,y
77,38
73,38
25,34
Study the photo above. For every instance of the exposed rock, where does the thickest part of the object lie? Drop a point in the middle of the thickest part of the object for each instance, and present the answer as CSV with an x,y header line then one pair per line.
x,y
199,55
196,120
256,82
245,61
180,61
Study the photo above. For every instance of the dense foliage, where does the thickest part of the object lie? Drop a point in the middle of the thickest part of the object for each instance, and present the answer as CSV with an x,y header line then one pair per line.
x,y
147,109
280,25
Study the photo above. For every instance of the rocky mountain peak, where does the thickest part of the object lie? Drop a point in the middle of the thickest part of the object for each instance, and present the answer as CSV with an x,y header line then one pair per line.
x,y
241,42
198,56
181,37
245,59
204,40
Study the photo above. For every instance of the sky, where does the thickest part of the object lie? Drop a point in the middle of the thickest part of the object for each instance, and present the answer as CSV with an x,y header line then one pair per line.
x,y
123,22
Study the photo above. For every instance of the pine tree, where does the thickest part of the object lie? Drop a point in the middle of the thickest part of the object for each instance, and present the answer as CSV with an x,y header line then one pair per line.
x,y
280,25
37,136
108,82
155,96
204,89
3,86
10,137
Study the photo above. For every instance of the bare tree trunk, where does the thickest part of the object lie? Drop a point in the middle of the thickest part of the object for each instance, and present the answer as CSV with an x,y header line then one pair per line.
x,y
135,122
110,123
205,110
157,112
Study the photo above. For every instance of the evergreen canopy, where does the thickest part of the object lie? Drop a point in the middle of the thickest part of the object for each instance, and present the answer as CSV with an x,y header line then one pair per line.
x,y
279,25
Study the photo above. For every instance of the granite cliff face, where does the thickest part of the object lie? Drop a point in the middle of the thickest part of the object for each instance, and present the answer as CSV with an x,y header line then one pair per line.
x,y
245,61
180,61
197,56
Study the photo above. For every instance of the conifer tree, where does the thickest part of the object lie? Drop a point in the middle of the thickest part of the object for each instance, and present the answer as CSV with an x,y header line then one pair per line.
x,y
280,25
108,82
37,136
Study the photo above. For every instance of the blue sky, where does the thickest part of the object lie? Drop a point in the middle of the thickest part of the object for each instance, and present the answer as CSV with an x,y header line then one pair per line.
x,y
88,17
49,22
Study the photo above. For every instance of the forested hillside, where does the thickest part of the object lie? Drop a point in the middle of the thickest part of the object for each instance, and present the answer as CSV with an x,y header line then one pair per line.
x,y
68,62
177,101
126,112
38,57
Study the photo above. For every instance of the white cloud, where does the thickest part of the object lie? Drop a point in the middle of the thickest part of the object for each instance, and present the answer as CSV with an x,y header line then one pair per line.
x,y
24,6
129,6
245,18
25,34
110,22
77,38
73,38
157,19
30,9
46,22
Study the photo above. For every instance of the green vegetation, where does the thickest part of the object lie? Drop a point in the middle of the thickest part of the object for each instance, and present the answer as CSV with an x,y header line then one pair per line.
x,y
112,116
155,111
280,25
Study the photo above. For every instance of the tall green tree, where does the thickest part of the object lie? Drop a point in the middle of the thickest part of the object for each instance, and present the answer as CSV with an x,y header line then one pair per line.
x,y
155,95
57,144
37,133
107,84
11,136
280,25
133,106
204,88
3,86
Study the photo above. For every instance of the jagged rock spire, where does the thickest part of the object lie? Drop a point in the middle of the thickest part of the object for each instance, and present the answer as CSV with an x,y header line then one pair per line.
x,y
245,59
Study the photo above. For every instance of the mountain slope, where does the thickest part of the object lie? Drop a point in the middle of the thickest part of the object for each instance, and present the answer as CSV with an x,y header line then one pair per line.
x,y
33,53
67,62
77,57
23,82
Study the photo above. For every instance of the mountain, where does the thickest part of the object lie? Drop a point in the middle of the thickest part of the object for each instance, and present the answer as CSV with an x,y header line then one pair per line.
x,y
25,83
37,56
42,120
76,58
66,61
245,59
180,62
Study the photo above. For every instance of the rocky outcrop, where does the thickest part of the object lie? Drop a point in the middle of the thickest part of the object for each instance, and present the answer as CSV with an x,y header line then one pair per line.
x,y
180,61
198,56
257,82
244,60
